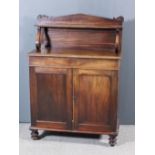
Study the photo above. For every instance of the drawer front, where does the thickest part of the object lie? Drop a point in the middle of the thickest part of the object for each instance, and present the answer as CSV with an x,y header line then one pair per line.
x,y
74,63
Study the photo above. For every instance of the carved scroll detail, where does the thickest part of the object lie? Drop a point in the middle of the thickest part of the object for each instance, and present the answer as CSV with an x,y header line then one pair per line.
x,y
47,38
37,41
120,18
117,41
42,17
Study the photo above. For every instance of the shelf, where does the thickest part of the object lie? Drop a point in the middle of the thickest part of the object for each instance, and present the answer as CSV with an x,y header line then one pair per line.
x,y
76,53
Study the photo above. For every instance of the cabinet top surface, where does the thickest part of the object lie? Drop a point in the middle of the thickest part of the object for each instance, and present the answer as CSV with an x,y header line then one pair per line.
x,y
75,53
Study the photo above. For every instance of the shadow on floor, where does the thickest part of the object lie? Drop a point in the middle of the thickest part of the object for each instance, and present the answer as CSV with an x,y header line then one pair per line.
x,y
126,136
92,139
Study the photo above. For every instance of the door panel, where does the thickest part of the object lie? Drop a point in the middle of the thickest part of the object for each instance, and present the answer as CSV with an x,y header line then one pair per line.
x,y
95,102
51,97
54,97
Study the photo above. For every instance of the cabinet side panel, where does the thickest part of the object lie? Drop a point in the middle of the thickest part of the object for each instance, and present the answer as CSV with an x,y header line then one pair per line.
x,y
114,100
33,95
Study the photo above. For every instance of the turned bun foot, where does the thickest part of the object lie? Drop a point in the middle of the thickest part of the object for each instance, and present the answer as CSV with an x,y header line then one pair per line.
x,y
112,140
34,134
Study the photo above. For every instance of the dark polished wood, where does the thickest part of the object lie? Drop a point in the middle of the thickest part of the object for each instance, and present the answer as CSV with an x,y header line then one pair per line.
x,y
112,139
74,75
34,134
53,100
75,53
78,21
94,104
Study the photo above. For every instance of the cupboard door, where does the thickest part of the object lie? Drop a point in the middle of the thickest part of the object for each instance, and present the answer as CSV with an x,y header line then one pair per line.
x,y
51,97
95,100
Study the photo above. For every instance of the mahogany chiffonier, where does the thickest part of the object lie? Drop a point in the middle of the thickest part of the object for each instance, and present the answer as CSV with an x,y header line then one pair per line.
x,y
74,73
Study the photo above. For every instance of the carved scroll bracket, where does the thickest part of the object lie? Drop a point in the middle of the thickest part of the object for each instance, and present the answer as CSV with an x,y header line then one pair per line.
x,y
117,41
38,38
47,38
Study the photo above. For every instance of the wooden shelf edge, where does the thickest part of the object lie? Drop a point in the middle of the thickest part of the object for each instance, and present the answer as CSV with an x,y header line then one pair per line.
x,y
59,55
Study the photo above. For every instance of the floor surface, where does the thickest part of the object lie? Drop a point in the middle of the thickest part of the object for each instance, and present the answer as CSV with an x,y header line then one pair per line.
x,y
76,144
